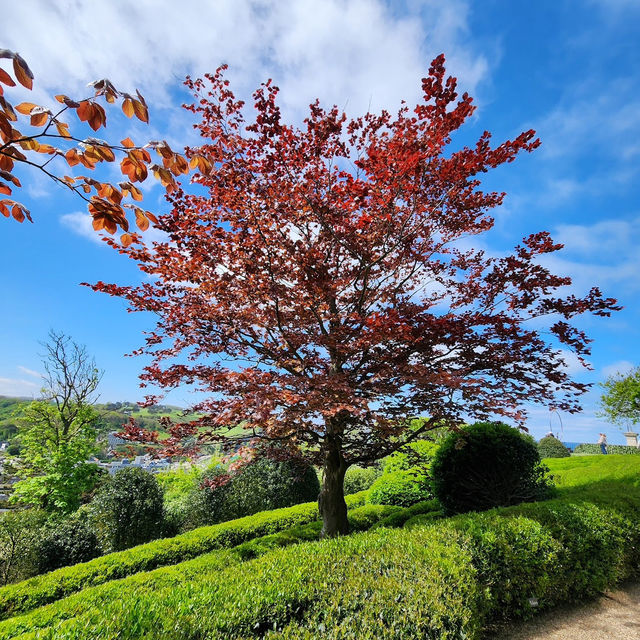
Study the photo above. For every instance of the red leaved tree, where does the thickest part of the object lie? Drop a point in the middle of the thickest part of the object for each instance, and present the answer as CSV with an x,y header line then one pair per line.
x,y
47,134
317,288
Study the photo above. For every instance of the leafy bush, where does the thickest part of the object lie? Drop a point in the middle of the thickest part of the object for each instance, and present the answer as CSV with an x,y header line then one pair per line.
x,y
267,484
417,456
550,447
262,485
358,479
19,534
611,448
127,510
485,465
400,488
67,542
41,590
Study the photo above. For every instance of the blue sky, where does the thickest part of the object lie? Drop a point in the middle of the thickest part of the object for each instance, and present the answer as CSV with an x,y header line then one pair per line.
x,y
568,69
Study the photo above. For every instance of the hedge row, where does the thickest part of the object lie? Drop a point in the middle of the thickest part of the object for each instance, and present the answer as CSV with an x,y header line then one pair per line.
x,y
611,448
360,519
25,595
453,579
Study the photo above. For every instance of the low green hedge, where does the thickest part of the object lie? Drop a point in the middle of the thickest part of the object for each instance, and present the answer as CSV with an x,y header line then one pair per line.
x,y
26,595
456,578
360,519
611,448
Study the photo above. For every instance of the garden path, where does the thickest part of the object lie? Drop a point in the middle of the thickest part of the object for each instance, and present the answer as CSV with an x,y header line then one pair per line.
x,y
613,616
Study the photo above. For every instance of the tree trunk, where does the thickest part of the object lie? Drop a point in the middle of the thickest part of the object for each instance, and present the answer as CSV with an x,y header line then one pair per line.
x,y
331,504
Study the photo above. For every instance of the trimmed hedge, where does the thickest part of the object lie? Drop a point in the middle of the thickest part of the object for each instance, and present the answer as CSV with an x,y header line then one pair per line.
x,y
611,448
453,579
35,592
360,519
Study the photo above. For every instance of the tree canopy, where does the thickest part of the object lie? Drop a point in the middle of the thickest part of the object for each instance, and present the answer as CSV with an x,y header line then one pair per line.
x,y
620,401
321,288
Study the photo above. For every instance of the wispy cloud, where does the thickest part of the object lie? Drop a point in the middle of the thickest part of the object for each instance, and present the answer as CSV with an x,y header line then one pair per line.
x,y
18,387
622,367
30,372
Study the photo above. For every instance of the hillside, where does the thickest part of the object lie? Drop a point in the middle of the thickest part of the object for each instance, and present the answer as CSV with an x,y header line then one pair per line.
x,y
433,577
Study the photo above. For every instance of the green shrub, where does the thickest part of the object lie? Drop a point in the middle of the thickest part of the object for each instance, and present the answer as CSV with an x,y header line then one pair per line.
x,y
20,531
611,448
127,510
358,479
416,456
262,485
267,484
400,488
550,447
485,465
67,542
179,490
41,590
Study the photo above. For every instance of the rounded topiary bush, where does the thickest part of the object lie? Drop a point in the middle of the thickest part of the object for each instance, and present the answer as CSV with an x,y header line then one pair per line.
x,y
401,488
127,510
358,479
486,465
550,447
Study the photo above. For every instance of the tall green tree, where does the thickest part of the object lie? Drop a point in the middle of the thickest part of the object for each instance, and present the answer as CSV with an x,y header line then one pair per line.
x,y
620,401
58,431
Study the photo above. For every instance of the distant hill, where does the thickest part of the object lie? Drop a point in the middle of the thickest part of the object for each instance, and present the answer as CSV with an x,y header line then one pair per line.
x,y
112,415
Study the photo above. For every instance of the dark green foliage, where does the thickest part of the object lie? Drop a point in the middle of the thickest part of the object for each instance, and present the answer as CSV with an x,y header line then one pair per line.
x,y
550,447
611,448
20,531
260,486
358,479
67,542
485,465
401,488
265,484
127,510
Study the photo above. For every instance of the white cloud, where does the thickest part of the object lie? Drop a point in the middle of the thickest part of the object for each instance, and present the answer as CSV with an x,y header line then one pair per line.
x,y
621,367
356,52
30,372
18,387
572,364
81,224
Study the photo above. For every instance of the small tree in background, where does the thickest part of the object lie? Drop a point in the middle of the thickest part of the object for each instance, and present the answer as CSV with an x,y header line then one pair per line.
x,y
58,432
620,401
320,287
